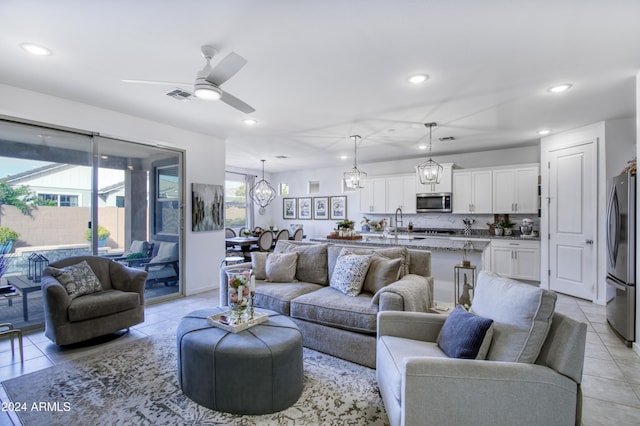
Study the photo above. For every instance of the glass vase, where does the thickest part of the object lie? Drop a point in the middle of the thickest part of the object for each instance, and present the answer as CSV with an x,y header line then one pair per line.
x,y
238,283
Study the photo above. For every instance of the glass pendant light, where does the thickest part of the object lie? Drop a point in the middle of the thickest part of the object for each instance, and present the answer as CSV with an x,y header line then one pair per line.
x,y
430,171
262,193
354,178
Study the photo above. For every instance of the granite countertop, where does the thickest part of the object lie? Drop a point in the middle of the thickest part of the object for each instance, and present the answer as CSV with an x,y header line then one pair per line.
x,y
428,243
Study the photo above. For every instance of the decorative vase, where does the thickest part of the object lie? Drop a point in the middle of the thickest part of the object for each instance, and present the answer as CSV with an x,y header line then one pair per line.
x,y
467,230
498,231
239,282
508,231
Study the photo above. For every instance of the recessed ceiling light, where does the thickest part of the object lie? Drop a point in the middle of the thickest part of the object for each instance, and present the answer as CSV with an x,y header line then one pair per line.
x,y
34,49
249,121
559,88
418,78
422,147
544,132
343,157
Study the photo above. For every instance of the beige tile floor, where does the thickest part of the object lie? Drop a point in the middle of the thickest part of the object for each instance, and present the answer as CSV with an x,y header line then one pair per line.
x,y
611,380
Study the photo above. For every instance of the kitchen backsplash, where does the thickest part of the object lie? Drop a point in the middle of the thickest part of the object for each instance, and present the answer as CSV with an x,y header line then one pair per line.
x,y
451,221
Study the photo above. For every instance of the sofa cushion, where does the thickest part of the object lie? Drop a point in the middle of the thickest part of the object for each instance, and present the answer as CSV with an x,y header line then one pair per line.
x,y
312,261
521,314
389,252
281,267
463,333
391,353
77,279
349,274
101,304
382,272
333,308
277,296
259,263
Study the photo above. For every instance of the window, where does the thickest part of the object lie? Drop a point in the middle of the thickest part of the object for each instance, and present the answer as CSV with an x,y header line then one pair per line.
x,y
235,203
58,200
167,199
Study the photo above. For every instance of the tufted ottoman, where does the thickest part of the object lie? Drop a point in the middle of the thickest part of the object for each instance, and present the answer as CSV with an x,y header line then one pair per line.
x,y
256,371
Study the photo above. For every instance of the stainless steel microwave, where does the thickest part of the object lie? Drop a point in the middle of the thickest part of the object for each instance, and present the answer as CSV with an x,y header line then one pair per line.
x,y
433,202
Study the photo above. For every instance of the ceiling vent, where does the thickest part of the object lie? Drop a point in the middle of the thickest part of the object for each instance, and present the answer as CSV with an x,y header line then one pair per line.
x,y
180,95
447,138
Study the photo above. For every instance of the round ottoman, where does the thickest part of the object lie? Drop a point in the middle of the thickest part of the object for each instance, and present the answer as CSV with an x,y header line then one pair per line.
x,y
256,371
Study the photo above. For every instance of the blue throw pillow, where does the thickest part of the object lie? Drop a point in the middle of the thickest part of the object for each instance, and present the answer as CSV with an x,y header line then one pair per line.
x,y
462,334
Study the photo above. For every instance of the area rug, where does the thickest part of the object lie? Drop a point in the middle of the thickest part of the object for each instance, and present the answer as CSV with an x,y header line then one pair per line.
x,y
136,383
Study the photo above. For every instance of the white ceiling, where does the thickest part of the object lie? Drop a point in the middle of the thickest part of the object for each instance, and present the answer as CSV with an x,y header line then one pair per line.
x,y
319,71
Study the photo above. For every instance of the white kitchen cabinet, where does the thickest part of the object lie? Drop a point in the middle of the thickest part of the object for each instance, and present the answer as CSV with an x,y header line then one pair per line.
x,y
516,259
515,190
445,184
401,193
373,197
472,191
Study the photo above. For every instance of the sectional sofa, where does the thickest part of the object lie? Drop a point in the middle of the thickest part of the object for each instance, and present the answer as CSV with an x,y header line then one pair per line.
x,y
331,321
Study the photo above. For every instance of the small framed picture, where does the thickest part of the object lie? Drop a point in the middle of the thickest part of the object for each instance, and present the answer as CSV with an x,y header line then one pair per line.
x,y
338,208
320,208
289,208
304,208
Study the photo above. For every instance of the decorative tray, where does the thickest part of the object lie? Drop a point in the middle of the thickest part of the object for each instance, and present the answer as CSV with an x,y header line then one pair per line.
x,y
335,237
218,320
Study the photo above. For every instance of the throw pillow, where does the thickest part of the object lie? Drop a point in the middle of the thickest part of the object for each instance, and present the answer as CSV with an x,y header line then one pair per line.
x,y
463,333
281,267
259,264
312,261
78,279
382,272
521,313
349,273
390,253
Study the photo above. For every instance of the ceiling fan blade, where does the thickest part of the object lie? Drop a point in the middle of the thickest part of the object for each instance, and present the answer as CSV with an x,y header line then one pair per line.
x,y
226,68
159,83
236,103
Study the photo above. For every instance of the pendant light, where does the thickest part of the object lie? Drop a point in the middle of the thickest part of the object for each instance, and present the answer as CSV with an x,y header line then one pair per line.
x,y
262,193
354,178
429,172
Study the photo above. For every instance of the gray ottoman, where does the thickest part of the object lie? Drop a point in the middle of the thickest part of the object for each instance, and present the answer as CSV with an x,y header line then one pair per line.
x,y
256,371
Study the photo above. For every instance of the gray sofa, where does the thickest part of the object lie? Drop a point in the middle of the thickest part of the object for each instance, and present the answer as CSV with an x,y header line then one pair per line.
x,y
531,374
119,305
330,321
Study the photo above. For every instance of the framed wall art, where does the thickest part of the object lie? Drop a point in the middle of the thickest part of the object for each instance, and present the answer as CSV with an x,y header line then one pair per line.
x,y
304,208
207,207
320,208
338,208
289,208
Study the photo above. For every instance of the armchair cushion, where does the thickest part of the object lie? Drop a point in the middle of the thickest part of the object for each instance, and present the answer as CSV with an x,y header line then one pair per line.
x,y
78,279
281,267
521,314
463,334
102,304
349,274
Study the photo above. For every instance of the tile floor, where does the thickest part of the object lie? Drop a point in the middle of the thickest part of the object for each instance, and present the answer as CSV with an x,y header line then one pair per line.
x,y
611,380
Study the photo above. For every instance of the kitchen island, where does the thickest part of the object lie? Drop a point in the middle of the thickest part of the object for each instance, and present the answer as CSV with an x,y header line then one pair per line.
x,y
446,252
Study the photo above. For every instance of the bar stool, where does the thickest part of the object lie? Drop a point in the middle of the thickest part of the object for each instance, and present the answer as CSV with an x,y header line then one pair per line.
x,y
12,332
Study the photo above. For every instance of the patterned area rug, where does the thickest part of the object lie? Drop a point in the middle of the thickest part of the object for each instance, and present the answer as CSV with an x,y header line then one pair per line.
x,y
137,384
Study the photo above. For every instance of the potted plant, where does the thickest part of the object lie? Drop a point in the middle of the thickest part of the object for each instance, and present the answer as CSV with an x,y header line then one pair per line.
x,y
7,237
365,224
507,225
103,234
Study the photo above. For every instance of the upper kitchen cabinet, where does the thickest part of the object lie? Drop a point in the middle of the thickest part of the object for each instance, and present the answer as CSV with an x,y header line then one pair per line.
x,y
401,193
515,190
472,191
373,197
445,184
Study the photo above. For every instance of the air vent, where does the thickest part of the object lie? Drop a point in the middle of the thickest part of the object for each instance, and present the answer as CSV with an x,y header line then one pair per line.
x,y
281,156
180,95
447,138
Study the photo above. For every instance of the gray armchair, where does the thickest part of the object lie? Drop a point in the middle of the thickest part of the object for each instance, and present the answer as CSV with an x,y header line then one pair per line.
x,y
421,385
119,305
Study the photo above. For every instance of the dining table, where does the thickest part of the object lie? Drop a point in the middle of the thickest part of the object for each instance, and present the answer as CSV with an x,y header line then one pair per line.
x,y
244,243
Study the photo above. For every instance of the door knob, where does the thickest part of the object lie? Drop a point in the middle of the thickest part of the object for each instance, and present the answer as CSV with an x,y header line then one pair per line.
x,y
589,241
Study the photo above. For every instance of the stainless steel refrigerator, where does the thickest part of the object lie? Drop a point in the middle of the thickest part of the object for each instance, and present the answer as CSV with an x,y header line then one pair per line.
x,y
621,258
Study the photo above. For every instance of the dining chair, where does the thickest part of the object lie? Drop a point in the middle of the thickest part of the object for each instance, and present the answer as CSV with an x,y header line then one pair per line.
x,y
265,241
298,235
283,234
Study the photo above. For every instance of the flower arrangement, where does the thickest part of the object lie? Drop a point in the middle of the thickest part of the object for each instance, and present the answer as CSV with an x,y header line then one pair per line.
x,y
345,224
468,221
373,225
240,284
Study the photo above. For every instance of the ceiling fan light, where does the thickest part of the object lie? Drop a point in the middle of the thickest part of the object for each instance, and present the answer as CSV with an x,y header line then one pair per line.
x,y
207,91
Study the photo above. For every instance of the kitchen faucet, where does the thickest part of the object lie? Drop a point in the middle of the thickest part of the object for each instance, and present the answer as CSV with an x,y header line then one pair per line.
x,y
395,229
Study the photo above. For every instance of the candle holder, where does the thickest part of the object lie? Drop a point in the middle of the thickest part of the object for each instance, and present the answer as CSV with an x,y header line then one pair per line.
x,y
253,295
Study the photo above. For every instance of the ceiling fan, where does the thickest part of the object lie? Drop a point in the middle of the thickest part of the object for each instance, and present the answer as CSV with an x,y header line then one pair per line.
x,y
209,80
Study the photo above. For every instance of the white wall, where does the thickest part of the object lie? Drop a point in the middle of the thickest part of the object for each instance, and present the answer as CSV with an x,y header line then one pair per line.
x,y
204,163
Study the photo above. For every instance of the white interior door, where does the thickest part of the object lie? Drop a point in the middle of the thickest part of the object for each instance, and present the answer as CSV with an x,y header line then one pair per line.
x,y
572,220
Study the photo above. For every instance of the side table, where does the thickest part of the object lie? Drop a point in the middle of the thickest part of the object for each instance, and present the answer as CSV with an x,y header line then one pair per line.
x,y
25,286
